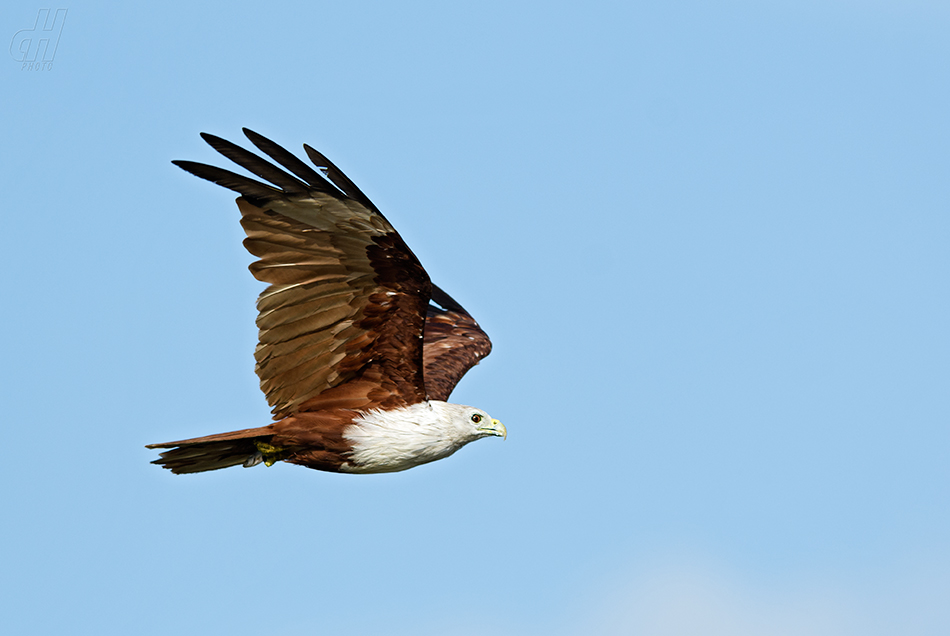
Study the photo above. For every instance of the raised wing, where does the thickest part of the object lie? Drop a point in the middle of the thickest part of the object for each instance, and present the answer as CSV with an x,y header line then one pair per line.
x,y
453,344
347,297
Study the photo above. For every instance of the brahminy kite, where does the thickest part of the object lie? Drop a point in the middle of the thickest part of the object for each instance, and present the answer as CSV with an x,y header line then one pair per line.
x,y
358,350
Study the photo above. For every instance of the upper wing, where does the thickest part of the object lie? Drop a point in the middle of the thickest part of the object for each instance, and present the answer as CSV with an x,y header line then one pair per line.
x,y
454,343
347,297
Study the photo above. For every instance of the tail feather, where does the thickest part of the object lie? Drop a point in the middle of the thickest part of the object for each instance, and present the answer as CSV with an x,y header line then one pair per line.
x,y
213,452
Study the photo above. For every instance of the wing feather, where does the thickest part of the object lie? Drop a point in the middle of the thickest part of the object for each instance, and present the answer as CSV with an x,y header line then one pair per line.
x,y
286,159
346,302
336,176
453,344
252,163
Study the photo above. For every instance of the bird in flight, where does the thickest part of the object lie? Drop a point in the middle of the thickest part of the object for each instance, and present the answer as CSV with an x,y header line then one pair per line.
x,y
358,350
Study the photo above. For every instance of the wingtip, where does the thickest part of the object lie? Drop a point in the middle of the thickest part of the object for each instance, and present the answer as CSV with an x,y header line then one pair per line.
x,y
325,166
189,166
185,165
258,139
220,144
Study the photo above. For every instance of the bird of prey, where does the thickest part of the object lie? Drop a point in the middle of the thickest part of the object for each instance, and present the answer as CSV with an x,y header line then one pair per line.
x,y
358,350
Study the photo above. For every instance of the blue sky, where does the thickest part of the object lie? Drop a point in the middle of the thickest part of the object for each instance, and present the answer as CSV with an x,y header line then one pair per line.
x,y
710,244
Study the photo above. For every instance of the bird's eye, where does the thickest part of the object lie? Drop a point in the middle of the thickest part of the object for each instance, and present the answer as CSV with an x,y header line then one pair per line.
x,y
476,418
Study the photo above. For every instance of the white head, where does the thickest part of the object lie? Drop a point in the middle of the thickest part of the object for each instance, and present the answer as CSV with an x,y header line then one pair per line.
x,y
470,423
385,441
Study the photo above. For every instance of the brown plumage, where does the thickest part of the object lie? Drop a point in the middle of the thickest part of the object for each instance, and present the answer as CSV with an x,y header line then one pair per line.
x,y
346,324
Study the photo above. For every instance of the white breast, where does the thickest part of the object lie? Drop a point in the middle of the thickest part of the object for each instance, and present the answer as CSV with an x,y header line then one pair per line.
x,y
389,441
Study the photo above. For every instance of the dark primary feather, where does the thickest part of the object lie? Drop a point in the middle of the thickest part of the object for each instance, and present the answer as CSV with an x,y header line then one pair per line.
x,y
252,163
334,174
284,158
252,190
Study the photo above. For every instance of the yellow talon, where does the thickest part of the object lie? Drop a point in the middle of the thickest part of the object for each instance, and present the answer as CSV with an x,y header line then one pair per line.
x,y
271,453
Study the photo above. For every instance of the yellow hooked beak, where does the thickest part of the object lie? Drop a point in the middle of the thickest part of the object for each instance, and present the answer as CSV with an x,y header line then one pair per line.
x,y
495,428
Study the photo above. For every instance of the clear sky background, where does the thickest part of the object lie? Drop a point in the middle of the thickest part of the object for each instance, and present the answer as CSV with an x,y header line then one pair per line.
x,y
709,242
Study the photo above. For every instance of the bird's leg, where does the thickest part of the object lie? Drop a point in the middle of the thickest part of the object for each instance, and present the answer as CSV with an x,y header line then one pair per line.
x,y
270,454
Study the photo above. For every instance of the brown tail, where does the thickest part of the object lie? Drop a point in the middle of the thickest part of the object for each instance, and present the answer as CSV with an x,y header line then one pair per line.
x,y
214,451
